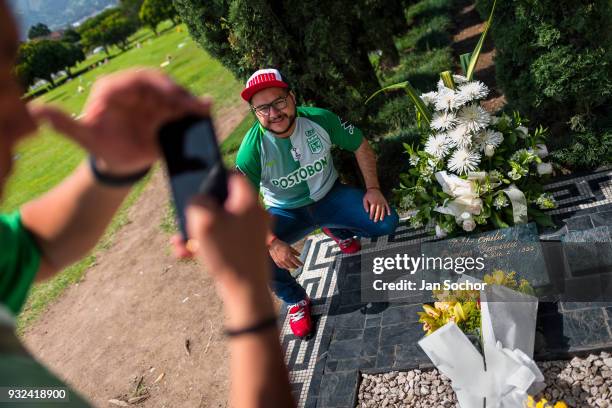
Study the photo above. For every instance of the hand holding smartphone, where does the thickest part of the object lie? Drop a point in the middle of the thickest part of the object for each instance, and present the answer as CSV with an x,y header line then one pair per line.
x,y
193,162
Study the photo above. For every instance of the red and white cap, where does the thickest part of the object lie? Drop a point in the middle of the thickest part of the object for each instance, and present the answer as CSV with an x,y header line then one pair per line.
x,y
262,79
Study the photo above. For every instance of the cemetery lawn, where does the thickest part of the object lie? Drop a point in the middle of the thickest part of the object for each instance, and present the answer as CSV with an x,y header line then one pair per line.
x,y
43,161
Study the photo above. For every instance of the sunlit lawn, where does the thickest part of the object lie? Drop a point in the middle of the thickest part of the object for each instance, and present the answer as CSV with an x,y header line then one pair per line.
x,y
42,161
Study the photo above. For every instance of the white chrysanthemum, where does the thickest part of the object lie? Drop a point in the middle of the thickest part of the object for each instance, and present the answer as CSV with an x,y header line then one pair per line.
x,y
488,138
459,137
463,161
473,90
437,145
429,98
473,117
447,99
443,120
459,79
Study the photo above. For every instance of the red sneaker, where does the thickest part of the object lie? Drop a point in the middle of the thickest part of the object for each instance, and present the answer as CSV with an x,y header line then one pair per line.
x,y
347,246
300,321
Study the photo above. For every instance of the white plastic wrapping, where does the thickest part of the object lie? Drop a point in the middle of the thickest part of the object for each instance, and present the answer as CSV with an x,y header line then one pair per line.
x,y
506,373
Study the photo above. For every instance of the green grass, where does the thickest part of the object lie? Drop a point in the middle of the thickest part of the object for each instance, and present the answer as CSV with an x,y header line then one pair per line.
x,y
45,160
42,162
229,147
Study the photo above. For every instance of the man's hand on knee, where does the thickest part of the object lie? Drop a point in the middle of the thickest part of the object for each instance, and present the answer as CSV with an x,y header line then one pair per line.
x,y
284,255
375,204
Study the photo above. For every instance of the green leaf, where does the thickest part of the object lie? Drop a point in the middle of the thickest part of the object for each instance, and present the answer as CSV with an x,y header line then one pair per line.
x,y
478,48
447,79
405,180
540,217
497,221
513,138
414,97
408,148
465,62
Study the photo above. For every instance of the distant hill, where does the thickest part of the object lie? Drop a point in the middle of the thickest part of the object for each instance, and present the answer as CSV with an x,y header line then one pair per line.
x,y
55,13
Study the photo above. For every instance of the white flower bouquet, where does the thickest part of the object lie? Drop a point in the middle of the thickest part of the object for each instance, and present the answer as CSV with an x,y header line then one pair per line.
x,y
502,374
472,169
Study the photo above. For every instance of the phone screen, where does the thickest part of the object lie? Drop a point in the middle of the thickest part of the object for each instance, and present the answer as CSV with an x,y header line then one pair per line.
x,y
194,163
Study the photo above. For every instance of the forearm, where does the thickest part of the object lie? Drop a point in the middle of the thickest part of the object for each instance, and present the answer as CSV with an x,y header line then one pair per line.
x,y
68,220
366,160
258,373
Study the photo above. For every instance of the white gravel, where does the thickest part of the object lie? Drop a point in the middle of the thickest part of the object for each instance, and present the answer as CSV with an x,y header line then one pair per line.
x,y
580,382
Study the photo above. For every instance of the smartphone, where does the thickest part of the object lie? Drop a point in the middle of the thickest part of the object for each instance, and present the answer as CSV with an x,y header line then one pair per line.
x,y
193,162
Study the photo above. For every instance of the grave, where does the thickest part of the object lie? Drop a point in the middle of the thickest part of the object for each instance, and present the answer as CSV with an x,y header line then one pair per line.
x,y
354,336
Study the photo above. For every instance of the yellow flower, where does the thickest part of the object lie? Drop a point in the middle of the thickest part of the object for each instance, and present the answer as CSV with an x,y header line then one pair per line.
x,y
543,403
459,313
431,311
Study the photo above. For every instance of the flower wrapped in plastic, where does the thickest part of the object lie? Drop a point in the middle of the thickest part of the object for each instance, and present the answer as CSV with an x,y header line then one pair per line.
x,y
502,374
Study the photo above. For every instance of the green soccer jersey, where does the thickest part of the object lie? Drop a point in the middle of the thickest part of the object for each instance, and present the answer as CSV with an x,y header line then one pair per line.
x,y
19,262
296,171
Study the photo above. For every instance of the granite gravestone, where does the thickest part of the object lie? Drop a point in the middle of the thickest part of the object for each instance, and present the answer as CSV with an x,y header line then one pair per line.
x,y
515,249
409,274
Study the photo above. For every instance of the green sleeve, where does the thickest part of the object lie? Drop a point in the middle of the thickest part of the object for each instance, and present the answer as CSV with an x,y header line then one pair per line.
x,y
342,133
248,159
19,261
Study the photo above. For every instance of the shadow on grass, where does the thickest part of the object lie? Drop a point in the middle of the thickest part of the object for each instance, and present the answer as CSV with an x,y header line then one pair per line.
x,y
422,13
433,39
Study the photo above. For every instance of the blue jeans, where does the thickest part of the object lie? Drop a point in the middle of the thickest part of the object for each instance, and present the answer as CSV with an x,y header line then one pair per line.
x,y
341,210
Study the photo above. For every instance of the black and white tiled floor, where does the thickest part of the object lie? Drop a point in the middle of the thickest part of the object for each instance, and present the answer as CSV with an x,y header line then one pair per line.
x,y
352,337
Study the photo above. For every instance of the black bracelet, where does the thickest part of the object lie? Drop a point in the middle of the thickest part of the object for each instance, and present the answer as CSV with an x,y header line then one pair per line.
x,y
252,329
115,181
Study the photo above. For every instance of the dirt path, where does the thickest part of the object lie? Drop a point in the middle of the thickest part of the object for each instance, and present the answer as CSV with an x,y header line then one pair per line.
x,y
133,314
468,26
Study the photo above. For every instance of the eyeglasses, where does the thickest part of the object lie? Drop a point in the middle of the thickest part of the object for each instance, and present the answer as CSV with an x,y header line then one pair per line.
x,y
264,110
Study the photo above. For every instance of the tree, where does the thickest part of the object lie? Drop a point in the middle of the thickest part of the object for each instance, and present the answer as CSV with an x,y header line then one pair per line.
x,y
553,63
131,8
41,59
108,28
314,43
70,55
381,20
117,29
154,12
71,36
38,30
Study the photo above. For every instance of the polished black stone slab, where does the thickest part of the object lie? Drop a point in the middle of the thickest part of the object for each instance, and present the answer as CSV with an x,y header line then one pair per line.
x,y
354,336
